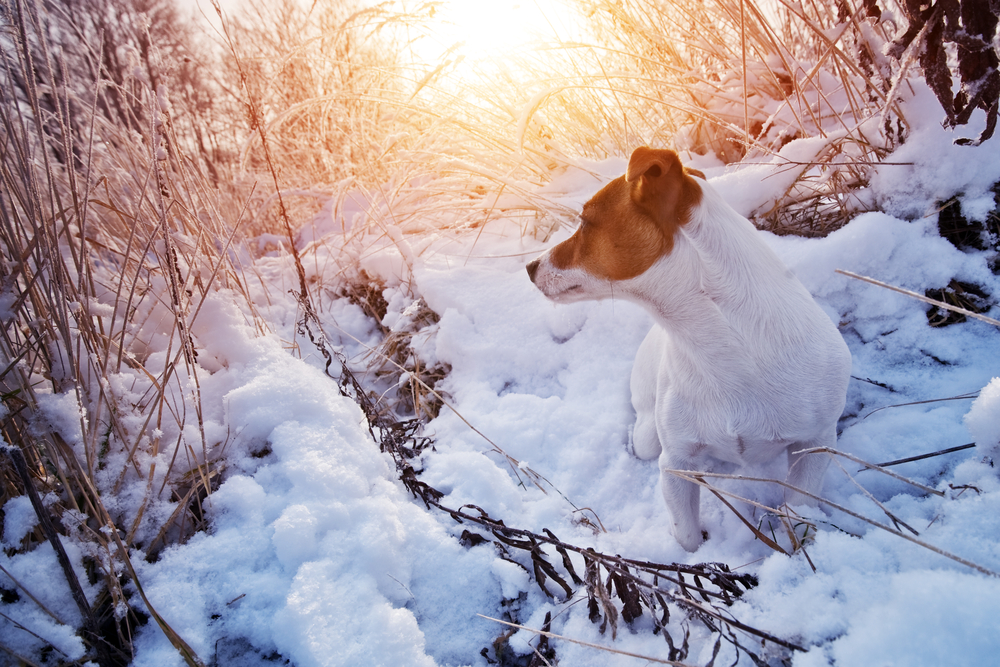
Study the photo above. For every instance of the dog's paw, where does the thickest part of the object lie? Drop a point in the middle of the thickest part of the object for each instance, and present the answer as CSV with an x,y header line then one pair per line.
x,y
690,540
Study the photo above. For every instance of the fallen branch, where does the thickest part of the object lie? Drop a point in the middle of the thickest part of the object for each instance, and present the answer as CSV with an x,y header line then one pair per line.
x,y
695,589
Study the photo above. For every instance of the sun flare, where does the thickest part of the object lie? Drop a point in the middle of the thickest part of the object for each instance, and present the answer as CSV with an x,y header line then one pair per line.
x,y
483,29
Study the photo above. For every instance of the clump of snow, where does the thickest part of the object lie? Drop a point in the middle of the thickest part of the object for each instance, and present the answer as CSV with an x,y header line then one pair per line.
x,y
62,413
40,572
929,168
742,187
317,552
19,519
983,420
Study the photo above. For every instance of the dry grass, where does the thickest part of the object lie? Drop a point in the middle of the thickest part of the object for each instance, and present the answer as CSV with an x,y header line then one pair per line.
x,y
356,107
111,240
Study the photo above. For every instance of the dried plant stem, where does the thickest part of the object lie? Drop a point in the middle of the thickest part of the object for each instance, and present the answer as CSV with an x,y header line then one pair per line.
x,y
32,597
921,457
921,297
28,630
753,529
17,656
885,510
960,397
90,627
187,653
746,92
513,463
552,635
696,478
872,466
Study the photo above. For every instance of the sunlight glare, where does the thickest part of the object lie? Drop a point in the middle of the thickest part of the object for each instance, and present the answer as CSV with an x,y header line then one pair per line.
x,y
479,29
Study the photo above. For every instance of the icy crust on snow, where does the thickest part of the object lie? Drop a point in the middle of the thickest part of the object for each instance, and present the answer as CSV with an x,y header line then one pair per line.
x,y
317,554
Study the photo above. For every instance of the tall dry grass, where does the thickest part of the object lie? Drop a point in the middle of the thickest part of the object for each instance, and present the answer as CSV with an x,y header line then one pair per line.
x,y
356,106
111,238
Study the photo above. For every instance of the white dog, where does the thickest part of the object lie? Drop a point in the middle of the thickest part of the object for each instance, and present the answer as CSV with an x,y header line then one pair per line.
x,y
741,365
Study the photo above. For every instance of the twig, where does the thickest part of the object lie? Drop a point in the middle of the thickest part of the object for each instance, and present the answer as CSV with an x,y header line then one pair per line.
x,y
17,656
513,463
926,456
187,653
30,632
33,598
885,510
695,477
753,529
929,400
872,466
552,635
921,297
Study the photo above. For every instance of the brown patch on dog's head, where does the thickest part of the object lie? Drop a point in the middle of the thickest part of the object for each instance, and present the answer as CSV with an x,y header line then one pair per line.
x,y
631,222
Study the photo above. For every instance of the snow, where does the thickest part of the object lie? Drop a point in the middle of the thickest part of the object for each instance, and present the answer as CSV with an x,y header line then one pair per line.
x,y
983,420
317,553
19,519
315,550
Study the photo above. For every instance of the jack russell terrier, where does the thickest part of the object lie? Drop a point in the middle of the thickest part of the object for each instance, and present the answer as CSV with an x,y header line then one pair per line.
x,y
741,365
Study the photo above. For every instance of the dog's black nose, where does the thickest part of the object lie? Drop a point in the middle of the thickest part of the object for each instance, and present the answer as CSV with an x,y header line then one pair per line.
x,y
532,269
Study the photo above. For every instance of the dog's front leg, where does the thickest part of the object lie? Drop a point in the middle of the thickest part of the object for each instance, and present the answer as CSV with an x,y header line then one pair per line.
x,y
682,499
647,383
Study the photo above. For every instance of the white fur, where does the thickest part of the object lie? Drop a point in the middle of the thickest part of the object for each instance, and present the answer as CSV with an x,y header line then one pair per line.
x,y
741,365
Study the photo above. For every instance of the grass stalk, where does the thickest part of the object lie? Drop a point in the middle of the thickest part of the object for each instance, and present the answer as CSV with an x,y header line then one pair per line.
x,y
921,297
696,478
606,649
91,633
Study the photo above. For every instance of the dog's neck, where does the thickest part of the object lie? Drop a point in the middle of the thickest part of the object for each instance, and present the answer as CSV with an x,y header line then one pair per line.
x,y
719,273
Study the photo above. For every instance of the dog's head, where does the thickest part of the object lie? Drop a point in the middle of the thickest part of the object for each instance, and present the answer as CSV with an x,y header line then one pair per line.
x,y
624,229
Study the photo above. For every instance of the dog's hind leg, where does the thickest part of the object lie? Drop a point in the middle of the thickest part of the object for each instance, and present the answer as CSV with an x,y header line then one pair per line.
x,y
682,499
806,471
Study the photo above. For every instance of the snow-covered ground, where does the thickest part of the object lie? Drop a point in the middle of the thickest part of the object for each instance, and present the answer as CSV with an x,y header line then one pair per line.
x,y
316,551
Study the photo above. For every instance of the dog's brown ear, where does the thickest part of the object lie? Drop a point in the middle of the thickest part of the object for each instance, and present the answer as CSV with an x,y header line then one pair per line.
x,y
660,186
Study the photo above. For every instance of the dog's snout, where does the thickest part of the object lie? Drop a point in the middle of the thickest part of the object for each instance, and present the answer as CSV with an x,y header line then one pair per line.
x,y
532,269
